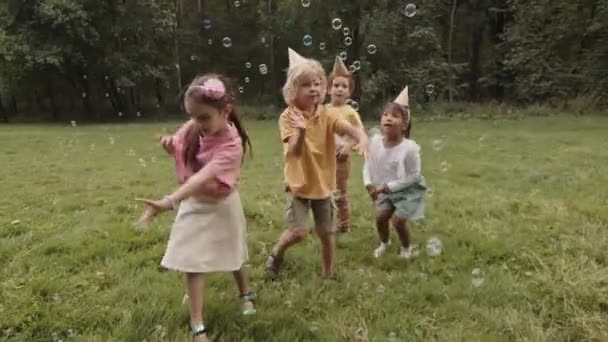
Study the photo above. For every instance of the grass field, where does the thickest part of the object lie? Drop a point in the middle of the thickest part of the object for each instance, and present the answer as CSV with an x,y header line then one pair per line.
x,y
525,202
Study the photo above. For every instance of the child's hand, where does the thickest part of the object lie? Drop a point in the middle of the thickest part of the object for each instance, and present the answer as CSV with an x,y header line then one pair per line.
x,y
384,189
372,191
166,142
145,219
296,120
153,208
363,145
343,150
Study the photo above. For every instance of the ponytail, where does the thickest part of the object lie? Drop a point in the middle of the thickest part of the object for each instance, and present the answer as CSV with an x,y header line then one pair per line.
x,y
235,117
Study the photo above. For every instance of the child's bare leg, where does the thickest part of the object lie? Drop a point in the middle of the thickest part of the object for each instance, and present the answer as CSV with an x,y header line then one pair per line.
x,y
194,284
401,228
289,238
328,248
382,224
342,174
242,281
296,216
322,211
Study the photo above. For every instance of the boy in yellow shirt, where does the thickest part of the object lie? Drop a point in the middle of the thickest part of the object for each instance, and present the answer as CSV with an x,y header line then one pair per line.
x,y
341,86
307,131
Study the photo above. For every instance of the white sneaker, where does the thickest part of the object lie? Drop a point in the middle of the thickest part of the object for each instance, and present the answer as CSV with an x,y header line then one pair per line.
x,y
381,250
406,253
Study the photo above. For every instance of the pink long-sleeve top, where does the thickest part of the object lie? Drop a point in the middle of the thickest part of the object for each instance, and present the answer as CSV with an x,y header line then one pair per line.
x,y
222,153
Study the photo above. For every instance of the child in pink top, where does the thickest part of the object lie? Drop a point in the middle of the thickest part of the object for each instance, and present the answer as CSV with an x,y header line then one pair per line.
x,y
221,153
209,232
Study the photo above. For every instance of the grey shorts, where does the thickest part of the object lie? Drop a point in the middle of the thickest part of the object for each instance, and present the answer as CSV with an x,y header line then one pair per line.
x,y
296,213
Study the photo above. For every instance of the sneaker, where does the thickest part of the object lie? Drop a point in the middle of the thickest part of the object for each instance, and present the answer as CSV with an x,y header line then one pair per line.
x,y
406,253
381,250
273,264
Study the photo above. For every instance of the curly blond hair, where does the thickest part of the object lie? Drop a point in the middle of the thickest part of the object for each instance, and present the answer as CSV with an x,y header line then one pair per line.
x,y
303,71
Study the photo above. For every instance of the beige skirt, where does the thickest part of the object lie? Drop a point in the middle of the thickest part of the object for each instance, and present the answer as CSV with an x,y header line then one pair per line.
x,y
208,236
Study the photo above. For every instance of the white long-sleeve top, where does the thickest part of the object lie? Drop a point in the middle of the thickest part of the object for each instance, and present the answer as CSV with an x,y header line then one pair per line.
x,y
398,167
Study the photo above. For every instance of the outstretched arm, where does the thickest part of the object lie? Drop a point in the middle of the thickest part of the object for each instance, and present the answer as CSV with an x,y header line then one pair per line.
x,y
168,141
356,133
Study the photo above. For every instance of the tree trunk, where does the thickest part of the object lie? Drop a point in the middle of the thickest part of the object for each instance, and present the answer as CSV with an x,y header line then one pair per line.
x,y
476,43
451,35
39,103
86,96
14,107
176,43
3,111
51,94
159,92
498,30
273,74
356,93
115,98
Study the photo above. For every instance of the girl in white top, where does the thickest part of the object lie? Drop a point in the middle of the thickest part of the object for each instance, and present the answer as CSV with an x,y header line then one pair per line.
x,y
392,176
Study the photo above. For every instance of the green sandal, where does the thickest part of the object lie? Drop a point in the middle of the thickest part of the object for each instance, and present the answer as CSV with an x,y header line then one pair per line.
x,y
249,297
198,330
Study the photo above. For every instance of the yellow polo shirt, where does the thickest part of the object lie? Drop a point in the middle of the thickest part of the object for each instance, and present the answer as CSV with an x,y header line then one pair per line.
x,y
347,113
313,174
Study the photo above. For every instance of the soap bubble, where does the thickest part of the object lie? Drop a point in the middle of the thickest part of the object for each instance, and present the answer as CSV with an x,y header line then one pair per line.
x,y
241,89
227,42
429,89
346,31
477,277
348,41
336,23
210,41
371,49
247,79
353,104
248,65
409,10
438,144
305,3
237,4
73,123
263,69
322,46
263,40
352,69
307,40
357,65
343,55
433,247
206,23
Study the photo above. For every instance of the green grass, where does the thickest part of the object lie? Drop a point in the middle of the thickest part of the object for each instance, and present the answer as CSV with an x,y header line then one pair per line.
x,y
524,201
